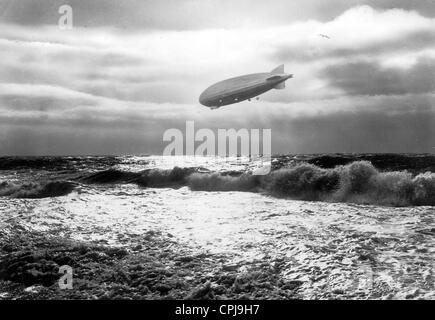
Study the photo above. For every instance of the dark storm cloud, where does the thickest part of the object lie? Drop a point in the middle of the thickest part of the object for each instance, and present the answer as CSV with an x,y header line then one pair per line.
x,y
423,7
372,124
48,140
364,132
191,14
342,131
367,78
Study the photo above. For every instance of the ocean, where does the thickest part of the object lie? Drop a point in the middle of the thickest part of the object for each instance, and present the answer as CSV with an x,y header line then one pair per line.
x,y
355,226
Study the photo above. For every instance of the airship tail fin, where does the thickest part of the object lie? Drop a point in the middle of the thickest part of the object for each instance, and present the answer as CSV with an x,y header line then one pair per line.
x,y
280,86
278,70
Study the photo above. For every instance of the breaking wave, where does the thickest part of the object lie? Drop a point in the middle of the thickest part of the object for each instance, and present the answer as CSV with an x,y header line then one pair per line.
x,y
34,190
220,182
357,182
147,178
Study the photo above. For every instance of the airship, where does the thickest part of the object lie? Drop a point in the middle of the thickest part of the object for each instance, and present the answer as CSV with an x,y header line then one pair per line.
x,y
243,88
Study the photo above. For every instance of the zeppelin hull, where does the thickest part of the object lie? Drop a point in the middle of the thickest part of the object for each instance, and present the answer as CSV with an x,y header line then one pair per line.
x,y
241,88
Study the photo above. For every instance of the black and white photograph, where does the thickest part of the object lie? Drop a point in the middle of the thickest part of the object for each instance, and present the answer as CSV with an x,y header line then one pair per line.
x,y
217,150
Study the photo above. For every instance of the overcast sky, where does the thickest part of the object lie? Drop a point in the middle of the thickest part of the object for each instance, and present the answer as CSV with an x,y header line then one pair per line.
x,y
129,70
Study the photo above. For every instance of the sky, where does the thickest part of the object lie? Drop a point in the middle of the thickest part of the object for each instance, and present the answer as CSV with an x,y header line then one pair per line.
x,y
130,70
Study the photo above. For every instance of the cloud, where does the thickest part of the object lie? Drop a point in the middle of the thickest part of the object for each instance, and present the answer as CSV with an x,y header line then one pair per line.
x,y
346,124
400,43
359,32
174,67
104,89
191,14
365,78
368,132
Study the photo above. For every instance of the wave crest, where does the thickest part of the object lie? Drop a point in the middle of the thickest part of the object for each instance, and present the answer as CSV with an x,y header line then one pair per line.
x,y
148,178
357,182
34,190
220,182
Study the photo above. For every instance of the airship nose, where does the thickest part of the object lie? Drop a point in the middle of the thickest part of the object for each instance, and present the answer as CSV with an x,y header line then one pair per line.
x,y
203,99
